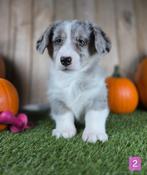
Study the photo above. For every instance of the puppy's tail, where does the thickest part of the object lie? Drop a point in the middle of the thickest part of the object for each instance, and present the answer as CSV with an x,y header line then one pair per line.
x,y
36,108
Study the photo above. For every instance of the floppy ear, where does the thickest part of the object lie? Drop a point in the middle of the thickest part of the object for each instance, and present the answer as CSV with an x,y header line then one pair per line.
x,y
102,42
43,41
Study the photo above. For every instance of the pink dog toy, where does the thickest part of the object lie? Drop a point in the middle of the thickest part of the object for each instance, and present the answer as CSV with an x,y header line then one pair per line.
x,y
17,124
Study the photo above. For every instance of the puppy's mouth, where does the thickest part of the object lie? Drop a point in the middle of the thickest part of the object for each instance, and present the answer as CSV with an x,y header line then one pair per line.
x,y
66,69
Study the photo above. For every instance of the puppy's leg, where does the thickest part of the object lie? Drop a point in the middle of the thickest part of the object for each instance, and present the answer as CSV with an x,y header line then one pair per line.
x,y
95,121
64,120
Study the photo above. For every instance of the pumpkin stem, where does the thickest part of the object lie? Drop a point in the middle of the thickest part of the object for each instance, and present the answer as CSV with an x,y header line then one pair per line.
x,y
116,72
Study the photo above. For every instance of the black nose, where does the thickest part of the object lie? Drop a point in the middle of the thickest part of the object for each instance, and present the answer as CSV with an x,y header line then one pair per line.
x,y
65,61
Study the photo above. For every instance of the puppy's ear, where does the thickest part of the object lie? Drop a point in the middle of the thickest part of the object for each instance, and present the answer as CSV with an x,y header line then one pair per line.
x,y
43,41
102,42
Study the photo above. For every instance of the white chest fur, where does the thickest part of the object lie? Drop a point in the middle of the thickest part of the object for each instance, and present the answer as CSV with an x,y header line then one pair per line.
x,y
74,89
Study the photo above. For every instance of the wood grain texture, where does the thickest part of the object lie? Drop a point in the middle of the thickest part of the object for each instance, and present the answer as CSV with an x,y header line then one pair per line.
x,y
23,21
64,9
4,26
42,18
141,16
20,46
105,18
127,36
85,10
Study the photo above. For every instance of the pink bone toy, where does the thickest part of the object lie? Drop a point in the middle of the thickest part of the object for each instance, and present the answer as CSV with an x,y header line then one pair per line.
x,y
17,124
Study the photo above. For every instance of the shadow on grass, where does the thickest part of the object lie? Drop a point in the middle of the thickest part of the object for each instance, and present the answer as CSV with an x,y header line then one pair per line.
x,y
35,116
115,123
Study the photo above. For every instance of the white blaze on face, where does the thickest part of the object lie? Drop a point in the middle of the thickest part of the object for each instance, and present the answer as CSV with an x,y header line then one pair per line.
x,y
67,50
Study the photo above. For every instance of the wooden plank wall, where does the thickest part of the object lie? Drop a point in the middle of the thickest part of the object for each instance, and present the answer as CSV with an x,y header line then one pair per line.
x,y
23,21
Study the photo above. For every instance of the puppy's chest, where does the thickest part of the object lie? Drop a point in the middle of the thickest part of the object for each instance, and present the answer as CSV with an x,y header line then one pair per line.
x,y
77,91
73,89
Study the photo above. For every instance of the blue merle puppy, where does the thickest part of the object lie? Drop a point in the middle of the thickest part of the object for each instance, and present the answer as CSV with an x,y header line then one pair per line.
x,y
77,89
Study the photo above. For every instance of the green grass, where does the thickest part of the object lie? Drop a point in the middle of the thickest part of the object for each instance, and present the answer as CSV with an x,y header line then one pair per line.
x,y
35,152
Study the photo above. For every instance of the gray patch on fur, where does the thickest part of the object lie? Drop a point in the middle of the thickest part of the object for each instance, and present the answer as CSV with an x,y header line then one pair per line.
x,y
45,39
97,40
96,37
98,103
83,31
59,32
58,107
102,42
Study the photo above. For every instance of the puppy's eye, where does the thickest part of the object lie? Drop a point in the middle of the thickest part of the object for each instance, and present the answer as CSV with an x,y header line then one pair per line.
x,y
81,42
58,41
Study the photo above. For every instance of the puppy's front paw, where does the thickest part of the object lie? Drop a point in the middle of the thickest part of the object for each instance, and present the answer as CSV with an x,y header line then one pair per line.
x,y
103,137
64,132
92,136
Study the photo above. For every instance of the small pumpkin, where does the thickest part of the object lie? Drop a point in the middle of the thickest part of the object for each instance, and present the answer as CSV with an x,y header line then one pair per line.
x,y
122,94
2,75
9,100
141,81
2,67
2,127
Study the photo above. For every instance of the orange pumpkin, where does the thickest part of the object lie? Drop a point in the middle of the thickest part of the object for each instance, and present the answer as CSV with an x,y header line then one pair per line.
x,y
9,99
141,81
122,95
2,127
2,75
2,67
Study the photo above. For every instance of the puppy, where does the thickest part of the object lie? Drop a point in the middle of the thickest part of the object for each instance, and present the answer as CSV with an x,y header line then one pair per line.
x,y
77,89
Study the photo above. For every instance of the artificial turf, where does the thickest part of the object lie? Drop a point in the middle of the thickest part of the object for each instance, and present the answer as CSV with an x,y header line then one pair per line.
x,y
35,152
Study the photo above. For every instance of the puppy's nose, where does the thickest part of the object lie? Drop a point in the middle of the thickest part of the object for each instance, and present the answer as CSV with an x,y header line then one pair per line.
x,y
65,61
